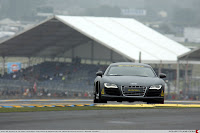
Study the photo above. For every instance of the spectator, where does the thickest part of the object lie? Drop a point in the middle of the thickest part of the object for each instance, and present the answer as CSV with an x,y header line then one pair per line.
x,y
14,76
63,78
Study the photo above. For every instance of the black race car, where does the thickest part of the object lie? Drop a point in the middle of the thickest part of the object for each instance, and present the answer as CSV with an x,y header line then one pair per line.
x,y
131,82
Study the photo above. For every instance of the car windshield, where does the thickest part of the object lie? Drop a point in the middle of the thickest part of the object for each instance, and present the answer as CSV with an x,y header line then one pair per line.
x,y
131,70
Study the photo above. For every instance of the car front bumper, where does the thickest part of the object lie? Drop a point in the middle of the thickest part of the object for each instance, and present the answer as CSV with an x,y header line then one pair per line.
x,y
130,98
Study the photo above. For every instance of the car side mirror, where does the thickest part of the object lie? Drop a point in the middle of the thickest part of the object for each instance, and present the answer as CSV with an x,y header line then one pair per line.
x,y
99,73
162,75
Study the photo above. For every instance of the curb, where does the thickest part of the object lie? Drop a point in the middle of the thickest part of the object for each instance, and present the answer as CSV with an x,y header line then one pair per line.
x,y
41,106
104,105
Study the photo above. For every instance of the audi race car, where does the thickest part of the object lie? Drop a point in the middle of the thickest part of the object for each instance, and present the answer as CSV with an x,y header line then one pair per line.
x,y
131,82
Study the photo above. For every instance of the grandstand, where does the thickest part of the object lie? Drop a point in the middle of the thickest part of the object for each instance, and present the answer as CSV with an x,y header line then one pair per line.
x,y
60,76
85,45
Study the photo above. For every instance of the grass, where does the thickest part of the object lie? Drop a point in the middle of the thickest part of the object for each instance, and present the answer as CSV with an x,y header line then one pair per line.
x,y
27,109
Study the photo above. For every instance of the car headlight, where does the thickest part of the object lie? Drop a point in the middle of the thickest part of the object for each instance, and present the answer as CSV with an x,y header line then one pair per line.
x,y
109,85
156,87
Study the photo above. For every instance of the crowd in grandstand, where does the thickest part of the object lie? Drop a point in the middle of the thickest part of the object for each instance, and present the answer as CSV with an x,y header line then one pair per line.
x,y
51,79
41,93
57,79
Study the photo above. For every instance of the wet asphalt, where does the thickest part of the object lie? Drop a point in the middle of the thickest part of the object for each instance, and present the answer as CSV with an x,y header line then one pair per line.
x,y
127,119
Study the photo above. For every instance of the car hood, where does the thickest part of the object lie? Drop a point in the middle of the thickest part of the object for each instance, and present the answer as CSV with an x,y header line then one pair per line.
x,y
133,80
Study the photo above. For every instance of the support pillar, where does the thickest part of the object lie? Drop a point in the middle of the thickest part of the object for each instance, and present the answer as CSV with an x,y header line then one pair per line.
x,y
160,68
177,76
73,52
72,56
140,57
92,52
111,56
186,79
29,61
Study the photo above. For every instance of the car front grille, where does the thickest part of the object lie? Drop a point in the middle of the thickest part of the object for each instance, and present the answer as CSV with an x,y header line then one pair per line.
x,y
133,90
112,91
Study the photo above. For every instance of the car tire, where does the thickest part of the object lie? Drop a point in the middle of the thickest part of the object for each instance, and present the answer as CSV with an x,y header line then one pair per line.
x,y
162,101
95,94
95,100
102,101
156,101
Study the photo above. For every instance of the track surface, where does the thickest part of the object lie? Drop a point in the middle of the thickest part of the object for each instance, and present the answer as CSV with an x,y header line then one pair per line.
x,y
133,119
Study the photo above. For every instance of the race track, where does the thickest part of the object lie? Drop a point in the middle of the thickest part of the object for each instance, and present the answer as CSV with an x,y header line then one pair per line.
x,y
125,119
133,119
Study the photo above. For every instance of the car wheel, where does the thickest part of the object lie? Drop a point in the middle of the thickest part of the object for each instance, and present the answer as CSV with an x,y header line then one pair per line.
x,y
156,101
102,101
162,101
95,94
95,100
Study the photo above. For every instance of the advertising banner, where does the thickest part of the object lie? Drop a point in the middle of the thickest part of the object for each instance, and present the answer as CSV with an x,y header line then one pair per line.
x,y
13,66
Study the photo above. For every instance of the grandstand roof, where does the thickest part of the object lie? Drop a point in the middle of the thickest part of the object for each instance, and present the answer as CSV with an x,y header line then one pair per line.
x,y
124,36
192,55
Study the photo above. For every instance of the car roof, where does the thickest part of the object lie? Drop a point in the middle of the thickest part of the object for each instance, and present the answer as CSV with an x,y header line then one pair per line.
x,y
129,63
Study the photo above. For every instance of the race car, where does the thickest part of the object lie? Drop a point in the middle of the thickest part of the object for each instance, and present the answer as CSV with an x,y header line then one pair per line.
x,y
127,81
